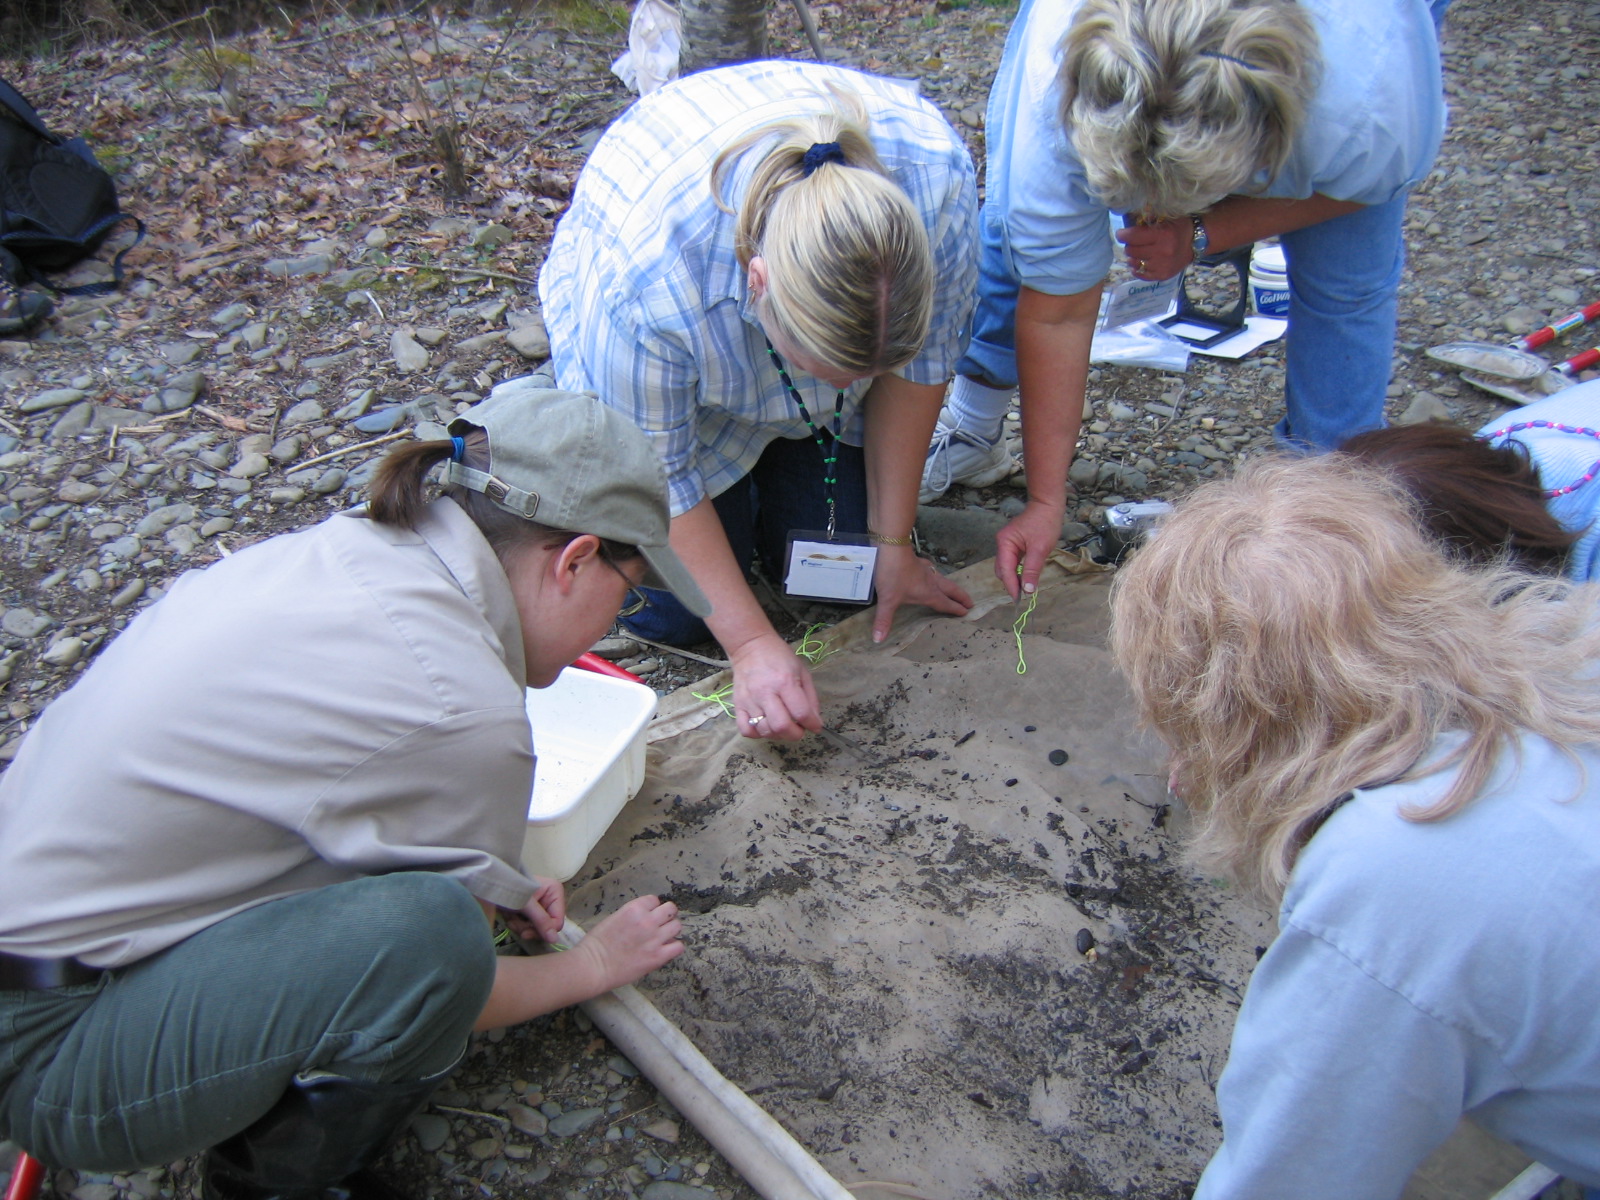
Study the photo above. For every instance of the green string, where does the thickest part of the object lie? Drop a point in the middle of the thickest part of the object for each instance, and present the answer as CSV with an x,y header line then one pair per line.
x,y
814,649
1018,626
718,697
811,648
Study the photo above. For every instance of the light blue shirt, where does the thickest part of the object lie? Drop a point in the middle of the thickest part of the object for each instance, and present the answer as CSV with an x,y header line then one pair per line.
x,y
1372,132
1425,970
1564,459
647,305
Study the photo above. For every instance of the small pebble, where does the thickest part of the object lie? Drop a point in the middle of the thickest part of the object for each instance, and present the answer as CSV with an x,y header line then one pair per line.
x,y
662,1131
64,653
575,1122
1058,758
431,1131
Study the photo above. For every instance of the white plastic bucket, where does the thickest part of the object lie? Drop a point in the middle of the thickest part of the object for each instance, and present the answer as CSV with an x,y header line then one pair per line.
x,y
589,735
1269,281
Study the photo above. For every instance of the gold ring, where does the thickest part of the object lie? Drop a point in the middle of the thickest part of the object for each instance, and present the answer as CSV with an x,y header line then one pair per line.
x,y
1141,266
757,720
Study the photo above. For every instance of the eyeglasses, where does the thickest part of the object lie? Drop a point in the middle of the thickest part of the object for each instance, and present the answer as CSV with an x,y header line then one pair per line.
x,y
637,599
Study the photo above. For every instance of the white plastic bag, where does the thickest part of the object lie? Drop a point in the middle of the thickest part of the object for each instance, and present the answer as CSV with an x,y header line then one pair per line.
x,y
655,39
1140,344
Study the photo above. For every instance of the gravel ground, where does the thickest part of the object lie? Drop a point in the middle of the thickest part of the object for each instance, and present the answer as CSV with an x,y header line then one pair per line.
x,y
307,289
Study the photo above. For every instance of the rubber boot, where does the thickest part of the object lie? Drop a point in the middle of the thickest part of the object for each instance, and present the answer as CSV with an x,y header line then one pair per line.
x,y
313,1144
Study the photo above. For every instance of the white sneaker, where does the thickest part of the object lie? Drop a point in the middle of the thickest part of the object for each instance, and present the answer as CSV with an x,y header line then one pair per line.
x,y
956,456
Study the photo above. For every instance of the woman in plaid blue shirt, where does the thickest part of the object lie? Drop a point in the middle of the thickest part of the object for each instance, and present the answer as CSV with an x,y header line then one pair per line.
x,y
771,268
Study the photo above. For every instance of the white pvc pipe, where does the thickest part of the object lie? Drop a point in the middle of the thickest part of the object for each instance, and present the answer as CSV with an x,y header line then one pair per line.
x,y
759,1167
1528,1184
744,1132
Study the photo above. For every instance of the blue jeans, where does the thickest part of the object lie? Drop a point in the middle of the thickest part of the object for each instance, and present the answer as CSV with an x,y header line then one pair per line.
x,y
378,980
1344,279
783,492
991,356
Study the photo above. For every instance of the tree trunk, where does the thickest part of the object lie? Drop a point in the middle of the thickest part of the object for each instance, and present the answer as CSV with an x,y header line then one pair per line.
x,y
719,32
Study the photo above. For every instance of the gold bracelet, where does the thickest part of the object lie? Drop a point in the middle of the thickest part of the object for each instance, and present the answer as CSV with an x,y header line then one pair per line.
x,y
880,540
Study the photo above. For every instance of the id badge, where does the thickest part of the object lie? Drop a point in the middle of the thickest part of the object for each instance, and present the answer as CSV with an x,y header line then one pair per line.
x,y
839,570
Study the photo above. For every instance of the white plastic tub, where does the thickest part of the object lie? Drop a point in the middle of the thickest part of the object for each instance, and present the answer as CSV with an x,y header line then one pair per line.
x,y
588,733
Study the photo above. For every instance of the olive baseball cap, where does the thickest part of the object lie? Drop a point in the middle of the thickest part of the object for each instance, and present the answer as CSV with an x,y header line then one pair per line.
x,y
567,461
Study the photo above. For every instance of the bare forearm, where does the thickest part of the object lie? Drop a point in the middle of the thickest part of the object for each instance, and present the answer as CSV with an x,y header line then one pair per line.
x,y
700,541
1161,250
1239,220
525,988
900,417
1054,335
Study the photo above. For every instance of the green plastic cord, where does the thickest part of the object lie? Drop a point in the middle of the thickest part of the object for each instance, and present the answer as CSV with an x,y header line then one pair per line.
x,y
1019,625
718,697
814,649
811,648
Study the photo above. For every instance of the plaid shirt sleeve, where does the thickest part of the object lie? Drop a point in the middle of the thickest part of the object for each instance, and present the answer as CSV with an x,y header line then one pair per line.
x,y
648,370
949,203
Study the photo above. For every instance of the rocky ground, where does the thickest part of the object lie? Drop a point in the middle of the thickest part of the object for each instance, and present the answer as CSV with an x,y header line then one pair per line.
x,y
346,217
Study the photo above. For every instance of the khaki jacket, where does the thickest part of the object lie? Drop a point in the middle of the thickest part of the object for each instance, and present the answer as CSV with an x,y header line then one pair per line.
x,y
338,702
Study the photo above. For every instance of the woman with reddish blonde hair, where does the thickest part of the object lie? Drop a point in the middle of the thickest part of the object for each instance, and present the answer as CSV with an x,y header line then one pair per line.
x,y
1402,750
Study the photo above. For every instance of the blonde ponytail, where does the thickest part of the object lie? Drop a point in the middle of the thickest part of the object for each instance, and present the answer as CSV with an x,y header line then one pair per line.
x,y
849,268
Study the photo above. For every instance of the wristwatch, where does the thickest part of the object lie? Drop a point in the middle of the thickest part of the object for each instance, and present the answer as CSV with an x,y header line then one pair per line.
x,y
1199,240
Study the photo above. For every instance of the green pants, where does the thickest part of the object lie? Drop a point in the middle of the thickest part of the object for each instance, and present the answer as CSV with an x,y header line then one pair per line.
x,y
378,979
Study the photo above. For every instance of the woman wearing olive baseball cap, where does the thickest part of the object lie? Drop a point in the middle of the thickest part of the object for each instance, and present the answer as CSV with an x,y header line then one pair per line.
x,y
252,921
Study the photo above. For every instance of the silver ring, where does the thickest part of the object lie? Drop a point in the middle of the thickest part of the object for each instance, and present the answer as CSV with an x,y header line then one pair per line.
x,y
757,720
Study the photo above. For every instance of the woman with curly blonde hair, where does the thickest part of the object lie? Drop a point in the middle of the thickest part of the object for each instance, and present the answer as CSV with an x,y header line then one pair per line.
x,y
1209,125
1403,749
770,267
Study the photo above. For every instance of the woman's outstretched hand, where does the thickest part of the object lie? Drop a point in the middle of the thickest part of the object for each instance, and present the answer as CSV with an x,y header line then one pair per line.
x,y
773,696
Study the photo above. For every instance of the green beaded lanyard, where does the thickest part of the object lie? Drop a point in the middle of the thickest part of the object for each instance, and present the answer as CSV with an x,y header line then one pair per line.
x,y
830,448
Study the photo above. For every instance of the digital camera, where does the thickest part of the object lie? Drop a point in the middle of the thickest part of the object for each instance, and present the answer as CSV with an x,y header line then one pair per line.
x,y
1126,525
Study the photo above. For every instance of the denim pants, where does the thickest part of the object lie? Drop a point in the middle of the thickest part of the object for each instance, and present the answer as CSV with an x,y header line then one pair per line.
x,y
783,492
379,979
991,356
1344,280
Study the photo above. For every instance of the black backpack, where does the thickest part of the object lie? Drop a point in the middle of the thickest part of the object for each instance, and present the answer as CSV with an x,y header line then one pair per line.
x,y
57,204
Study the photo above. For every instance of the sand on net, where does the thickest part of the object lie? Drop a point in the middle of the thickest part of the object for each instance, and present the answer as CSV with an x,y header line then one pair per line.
x,y
885,954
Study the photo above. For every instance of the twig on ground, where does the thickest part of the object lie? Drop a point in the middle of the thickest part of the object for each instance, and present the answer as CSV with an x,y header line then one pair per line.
x,y
237,424
199,16
333,33
699,658
473,1112
343,450
154,425
474,271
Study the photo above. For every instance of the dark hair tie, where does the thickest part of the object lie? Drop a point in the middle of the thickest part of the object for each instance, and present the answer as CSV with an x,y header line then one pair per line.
x,y
821,152
458,452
